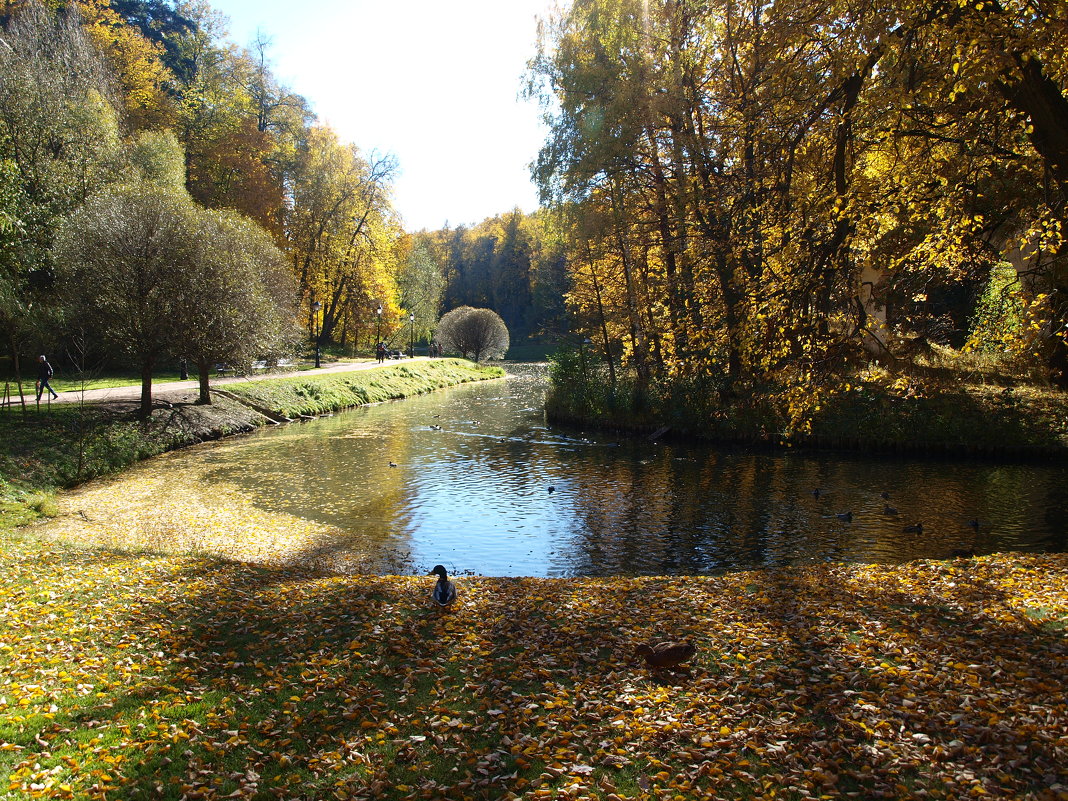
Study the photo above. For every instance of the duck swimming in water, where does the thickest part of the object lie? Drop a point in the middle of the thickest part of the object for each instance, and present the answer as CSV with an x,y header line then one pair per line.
x,y
444,591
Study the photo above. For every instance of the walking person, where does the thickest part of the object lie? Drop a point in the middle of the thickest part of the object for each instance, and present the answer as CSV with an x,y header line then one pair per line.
x,y
44,373
380,352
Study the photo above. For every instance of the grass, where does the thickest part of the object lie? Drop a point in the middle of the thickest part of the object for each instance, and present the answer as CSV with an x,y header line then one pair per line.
x,y
149,676
330,393
72,383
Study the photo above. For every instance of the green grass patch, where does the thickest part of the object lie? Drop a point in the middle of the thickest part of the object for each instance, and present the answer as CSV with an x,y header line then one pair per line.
x,y
330,393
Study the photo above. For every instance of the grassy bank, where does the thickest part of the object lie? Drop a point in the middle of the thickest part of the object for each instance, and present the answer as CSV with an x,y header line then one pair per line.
x,y
142,676
330,393
65,444
946,412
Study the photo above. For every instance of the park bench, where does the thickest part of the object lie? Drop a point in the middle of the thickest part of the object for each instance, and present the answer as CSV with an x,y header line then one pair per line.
x,y
260,364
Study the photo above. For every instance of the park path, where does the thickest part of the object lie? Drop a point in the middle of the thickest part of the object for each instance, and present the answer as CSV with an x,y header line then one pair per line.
x,y
132,392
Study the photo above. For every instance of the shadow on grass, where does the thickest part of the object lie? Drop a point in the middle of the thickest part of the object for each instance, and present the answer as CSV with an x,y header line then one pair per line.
x,y
263,682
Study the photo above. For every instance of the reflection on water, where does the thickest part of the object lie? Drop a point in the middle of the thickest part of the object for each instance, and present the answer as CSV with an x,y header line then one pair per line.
x,y
482,484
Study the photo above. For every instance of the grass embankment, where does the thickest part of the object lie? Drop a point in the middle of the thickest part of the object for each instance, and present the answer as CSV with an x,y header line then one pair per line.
x,y
58,446
330,393
142,676
951,408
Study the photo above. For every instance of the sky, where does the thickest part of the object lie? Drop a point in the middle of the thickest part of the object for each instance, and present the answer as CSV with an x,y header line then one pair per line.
x,y
436,84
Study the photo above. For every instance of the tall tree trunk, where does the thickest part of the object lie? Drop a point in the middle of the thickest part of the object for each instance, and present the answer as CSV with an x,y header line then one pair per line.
x,y
1042,101
146,388
15,364
1038,97
637,332
668,245
601,319
205,391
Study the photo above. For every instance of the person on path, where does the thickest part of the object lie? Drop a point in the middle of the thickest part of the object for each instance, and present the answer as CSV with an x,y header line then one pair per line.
x,y
380,352
44,373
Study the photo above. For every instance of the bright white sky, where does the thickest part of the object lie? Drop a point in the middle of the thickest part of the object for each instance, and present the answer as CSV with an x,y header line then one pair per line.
x,y
435,83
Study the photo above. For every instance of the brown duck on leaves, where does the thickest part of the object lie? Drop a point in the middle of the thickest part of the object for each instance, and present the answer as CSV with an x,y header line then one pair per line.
x,y
666,654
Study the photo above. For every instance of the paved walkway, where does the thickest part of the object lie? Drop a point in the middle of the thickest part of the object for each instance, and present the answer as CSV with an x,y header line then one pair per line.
x,y
133,391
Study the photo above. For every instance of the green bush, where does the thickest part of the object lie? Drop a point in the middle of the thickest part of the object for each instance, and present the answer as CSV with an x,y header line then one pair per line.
x,y
998,317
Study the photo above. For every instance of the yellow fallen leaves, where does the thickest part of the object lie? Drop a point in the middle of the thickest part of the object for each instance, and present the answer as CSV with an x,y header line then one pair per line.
x,y
174,504
133,675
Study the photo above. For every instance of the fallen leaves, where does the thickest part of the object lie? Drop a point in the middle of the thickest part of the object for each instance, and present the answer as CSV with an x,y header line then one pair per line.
x,y
139,675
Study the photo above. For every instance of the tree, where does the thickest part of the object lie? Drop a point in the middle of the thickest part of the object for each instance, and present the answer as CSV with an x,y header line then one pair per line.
x,y
235,300
774,182
122,256
341,232
58,143
476,333
421,286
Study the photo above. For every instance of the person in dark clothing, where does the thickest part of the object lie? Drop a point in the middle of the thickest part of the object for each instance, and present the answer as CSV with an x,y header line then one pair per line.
x,y
44,373
380,352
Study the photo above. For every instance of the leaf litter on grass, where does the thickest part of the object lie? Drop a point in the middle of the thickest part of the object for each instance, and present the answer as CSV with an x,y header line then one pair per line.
x,y
167,676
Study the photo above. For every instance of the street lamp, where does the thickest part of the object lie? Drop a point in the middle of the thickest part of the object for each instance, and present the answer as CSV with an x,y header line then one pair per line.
x,y
379,313
315,310
411,319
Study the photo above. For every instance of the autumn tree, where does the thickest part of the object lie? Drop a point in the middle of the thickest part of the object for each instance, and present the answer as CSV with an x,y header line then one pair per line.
x,y
341,232
779,184
58,144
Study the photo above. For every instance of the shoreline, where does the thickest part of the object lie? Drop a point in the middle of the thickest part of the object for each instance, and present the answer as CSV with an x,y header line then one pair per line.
x,y
960,424
70,444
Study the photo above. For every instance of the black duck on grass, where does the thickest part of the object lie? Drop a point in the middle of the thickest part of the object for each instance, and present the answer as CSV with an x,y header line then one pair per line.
x,y
444,591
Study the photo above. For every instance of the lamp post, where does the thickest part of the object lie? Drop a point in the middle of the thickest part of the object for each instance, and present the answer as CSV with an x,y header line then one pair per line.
x,y
379,313
315,310
411,319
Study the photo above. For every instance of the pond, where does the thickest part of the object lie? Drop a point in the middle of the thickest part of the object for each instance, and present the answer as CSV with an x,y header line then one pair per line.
x,y
473,477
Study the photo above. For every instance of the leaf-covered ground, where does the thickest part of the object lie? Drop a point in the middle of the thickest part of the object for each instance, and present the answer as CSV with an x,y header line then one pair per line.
x,y
145,676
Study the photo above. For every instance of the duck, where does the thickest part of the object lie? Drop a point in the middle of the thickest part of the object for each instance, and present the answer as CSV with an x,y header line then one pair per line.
x,y
817,492
884,495
666,654
444,591
846,516
915,528
889,510
392,464
974,524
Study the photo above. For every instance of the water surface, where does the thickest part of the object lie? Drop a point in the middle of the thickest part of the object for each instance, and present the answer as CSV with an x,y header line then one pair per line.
x,y
473,477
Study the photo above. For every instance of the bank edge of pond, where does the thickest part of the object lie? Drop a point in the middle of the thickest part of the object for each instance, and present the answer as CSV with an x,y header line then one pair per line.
x,y
995,425
308,396
67,444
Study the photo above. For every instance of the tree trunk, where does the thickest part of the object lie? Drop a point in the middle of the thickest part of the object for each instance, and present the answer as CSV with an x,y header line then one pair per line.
x,y
15,364
205,390
1040,99
601,319
146,389
637,332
